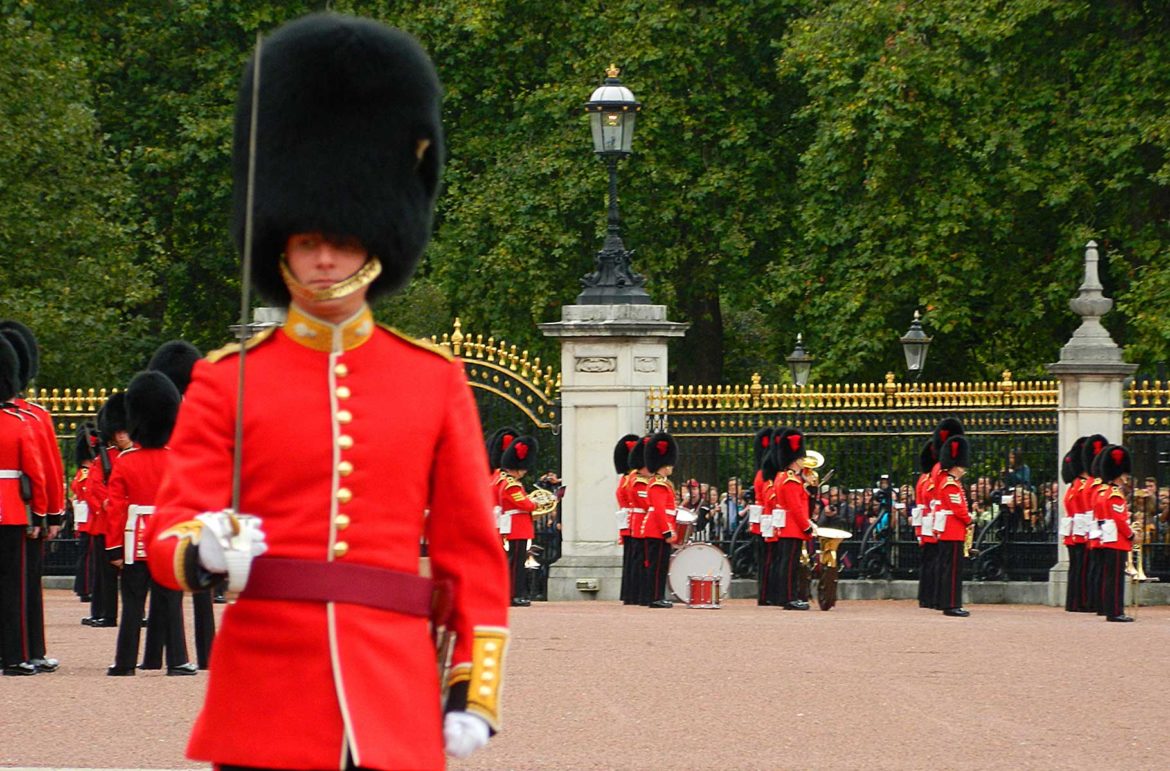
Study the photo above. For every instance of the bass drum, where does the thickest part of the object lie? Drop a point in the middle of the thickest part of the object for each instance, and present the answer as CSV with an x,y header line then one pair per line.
x,y
697,559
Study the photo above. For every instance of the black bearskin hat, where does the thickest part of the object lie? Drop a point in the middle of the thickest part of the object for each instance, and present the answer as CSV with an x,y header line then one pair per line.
x,y
638,453
947,427
84,447
621,453
955,451
521,454
763,444
344,104
927,457
499,441
1115,461
9,370
789,447
152,404
176,359
26,352
661,451
1090,450
1072,465
111,418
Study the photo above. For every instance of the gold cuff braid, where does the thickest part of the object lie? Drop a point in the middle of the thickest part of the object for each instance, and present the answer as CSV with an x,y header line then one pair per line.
x,y
363,277
487,668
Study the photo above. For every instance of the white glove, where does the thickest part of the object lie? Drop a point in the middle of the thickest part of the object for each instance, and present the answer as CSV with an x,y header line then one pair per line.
x,y
464,733
229,543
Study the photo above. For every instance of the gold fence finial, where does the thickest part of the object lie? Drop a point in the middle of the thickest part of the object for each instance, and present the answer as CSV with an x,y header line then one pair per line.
x,y
457,338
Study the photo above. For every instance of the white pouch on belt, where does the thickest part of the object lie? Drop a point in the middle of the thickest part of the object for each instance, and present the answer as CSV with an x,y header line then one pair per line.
x,y
754,512
766,527
1109,532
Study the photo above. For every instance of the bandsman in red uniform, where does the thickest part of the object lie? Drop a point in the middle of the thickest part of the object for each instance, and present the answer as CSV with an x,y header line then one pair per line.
x,y
326,659
621,466
951,520
638,499
517,508
23,502
761,483
1090,492
166,633
83,459
1072,473
790,516
152,402
1117,535
659,526
769,537
113,439
927,459
47,527
496,444
932,522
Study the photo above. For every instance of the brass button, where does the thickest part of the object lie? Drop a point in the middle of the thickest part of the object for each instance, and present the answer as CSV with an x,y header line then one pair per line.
x,y
344,416
340,549
343,392
341,370
487,677
341,521
489,662
489,647
485,691
344,495
345,441
345,468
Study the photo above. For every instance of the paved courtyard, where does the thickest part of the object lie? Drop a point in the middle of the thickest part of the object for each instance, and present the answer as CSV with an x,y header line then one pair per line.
x,y
876,684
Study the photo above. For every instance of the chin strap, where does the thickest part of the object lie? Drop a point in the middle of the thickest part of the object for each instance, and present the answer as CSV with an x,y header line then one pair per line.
x,y
363,277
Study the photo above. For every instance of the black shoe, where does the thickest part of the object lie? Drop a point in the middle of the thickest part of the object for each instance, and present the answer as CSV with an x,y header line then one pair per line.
x,y
796,605
18,670
114,671
520,602
86,598
1120,619
45,664
957,612
149,667
220,600
145,622
182,669
88,621
103,622
661,604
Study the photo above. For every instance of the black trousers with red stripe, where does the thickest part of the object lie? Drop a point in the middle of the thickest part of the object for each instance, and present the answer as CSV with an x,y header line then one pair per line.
x,y
1074,596
928,576
949,566
34,601
164,630
13,635
787,582
766,551
83,574
517,555
655,562
1112,582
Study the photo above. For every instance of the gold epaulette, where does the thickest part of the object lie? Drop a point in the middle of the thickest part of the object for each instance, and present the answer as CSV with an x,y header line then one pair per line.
x,y
662,482
950,481
426,345
1115,492
230,348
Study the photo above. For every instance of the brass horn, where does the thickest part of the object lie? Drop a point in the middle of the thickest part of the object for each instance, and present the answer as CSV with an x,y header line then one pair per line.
x,y
545,500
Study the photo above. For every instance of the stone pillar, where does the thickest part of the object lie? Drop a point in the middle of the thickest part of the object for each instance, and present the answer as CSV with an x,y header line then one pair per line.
x,y
610,356
1092,377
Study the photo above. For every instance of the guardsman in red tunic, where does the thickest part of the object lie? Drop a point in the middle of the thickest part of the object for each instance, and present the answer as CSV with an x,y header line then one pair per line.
x,y
1117,535
658,528
951,520
24,499
152,402
46,528
1072,472
1091,491
496,444
933,523
83,459
790,516
327,658
769,534
926,463
762,445
113,439
638,498
621,466
165,632
517,508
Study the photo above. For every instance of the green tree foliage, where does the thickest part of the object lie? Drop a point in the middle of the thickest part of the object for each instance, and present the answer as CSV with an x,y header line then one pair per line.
x,y
815,166
69,270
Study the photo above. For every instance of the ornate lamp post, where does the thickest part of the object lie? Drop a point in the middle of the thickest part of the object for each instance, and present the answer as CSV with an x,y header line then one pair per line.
x,y
612,112
799,363
915,344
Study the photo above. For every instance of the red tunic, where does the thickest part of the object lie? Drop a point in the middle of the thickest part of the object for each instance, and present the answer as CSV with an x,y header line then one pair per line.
x,y
50,458
95,491
921,500
515,502
19,452
639,498
660,513
1090,498
1077,502
80,498
793,499
352,434
135,482
1111,507
759,485
768,509
1070,509
953,500
623,500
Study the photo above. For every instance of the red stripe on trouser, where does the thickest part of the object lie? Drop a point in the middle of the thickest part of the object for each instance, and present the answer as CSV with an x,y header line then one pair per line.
x,y
954,576
23,603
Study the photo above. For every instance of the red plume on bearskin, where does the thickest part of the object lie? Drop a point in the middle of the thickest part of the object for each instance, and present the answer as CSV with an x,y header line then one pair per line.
x,y
955,452
789,447
1093,446
497,443
521,454
637,457
1115,461
762,444
947,427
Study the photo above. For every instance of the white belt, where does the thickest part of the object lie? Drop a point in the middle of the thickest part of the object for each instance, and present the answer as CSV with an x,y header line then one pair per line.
x,y
8,473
